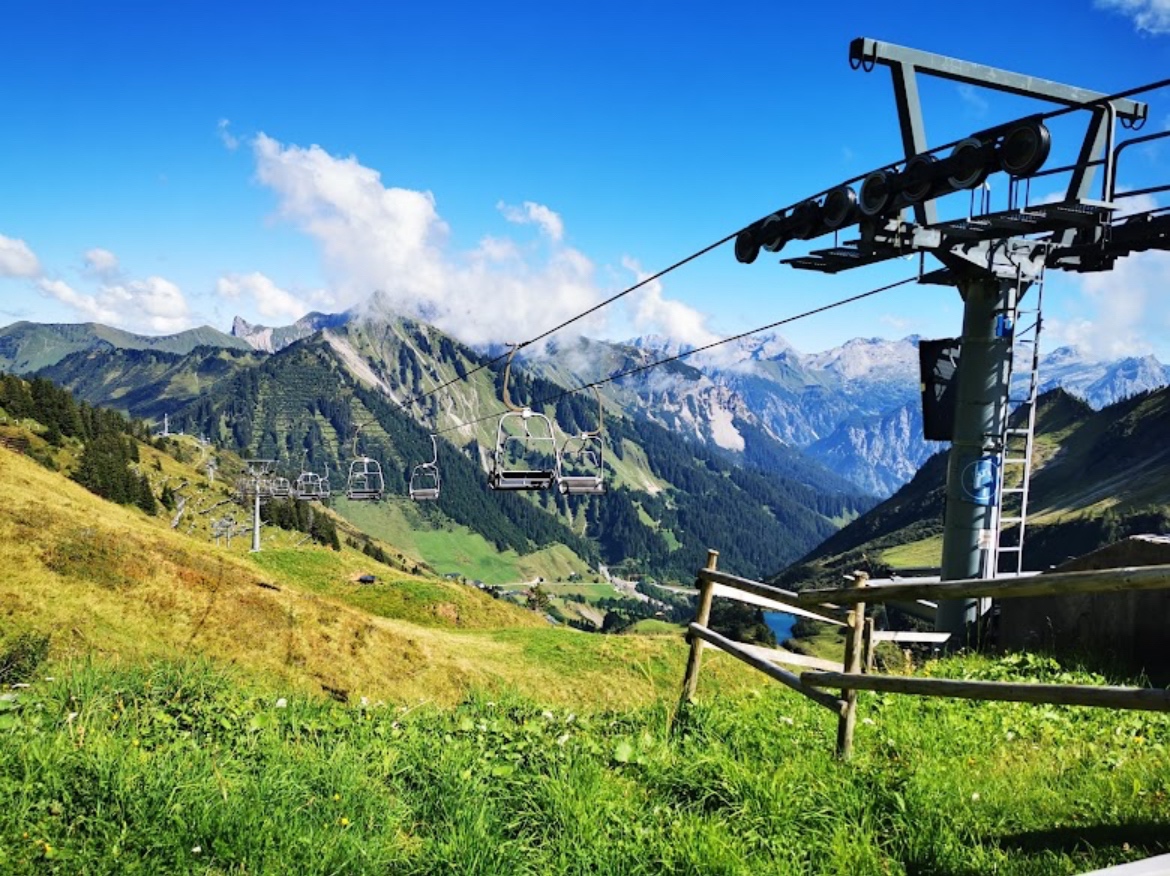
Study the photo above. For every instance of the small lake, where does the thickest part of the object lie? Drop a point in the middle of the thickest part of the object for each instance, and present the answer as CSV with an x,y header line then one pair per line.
x,y
780,623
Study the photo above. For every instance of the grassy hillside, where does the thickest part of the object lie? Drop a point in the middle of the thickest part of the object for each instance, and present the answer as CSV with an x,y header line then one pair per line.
x,y
106,580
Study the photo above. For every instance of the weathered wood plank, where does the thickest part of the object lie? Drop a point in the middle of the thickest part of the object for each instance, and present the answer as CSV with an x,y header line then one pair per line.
x,y
702,615
726,592
1145,699
780,655
767,591
853,662
736,650
1057,584
908,636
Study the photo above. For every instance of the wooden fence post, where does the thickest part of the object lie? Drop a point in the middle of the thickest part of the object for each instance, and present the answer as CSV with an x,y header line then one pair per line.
x,y
702,617
870,642
853,657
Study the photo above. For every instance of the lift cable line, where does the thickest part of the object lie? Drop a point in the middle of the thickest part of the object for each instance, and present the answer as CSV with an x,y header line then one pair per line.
x,y
568,322
683,355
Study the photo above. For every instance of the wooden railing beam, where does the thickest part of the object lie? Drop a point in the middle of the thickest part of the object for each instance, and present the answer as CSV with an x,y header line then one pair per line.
x,y
1139,698
1132,578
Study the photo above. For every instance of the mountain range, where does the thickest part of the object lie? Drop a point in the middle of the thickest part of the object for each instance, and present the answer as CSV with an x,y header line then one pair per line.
x,y
668,498
800,440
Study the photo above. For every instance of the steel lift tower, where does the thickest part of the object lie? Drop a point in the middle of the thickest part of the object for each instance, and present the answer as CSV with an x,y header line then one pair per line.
x,y
992,257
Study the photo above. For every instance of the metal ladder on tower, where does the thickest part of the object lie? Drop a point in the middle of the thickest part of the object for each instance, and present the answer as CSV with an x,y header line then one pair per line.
x,y
1015,458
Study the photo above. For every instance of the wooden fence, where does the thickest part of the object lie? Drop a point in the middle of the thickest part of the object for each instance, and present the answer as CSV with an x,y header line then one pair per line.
x,y
861,638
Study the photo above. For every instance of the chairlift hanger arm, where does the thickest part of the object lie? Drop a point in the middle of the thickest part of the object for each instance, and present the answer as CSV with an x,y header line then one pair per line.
x,y
864,53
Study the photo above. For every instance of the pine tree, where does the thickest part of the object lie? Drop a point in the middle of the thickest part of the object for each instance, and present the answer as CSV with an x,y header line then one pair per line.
x,y
145,499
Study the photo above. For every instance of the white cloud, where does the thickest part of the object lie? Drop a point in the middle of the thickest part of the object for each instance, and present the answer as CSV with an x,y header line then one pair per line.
x,y
87,306
531,213
1121,312
16,259
1150,16
271,301
154,304
676,320
377,238
151,305
229,140
101,262
393,240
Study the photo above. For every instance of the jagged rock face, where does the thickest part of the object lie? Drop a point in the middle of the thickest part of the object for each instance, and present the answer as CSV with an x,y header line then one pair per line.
x,y
879,457
1101,383
267,339
259,336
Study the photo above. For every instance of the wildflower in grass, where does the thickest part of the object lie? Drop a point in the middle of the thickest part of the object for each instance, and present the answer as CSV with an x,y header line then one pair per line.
x,y
196,850
282,703
343,821
336,797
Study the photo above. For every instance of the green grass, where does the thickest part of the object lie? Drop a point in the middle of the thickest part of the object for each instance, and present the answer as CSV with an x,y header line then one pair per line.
x,y
454,548
915,554
591,592
179,768
654,627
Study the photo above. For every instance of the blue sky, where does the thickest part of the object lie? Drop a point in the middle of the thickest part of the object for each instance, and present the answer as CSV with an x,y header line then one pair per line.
x,y
498,169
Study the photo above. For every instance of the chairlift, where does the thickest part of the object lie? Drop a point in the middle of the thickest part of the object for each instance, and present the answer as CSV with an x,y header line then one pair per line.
x,y
533,441
279,488
365,483
580,462
424,478
310,485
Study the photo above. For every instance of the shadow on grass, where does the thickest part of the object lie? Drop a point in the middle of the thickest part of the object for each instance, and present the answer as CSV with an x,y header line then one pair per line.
x,y
1143,838
1111,843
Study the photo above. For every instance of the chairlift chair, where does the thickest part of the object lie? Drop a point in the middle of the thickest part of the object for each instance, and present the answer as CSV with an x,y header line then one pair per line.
x,y
310,485
534,439
279,488
365,483
580,461
424,478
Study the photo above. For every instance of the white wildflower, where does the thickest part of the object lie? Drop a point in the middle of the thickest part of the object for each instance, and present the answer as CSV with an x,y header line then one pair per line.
x,y
282,703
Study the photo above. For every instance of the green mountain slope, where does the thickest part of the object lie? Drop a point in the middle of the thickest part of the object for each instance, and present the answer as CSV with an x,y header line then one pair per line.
x,y
669,500
146,383
1098,476
26,346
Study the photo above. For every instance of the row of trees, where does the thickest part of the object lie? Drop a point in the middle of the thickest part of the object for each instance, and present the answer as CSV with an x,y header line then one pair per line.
x,y
108,464
298,516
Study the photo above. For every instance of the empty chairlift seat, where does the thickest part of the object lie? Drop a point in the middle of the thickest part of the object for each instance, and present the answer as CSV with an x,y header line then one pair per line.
x,y
424,478
579,466
525,459
365,483
311,485
580,461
